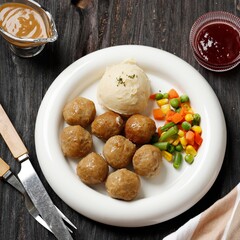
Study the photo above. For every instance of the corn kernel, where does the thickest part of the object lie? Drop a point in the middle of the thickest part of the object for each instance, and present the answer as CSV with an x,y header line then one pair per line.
x,y
187,107
180,133
191,150
162,102
162,134
189,117
183,141
197,129
165,108
175,142
168,156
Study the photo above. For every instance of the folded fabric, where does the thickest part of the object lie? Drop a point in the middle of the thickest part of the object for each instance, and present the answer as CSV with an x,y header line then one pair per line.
x,y
220,221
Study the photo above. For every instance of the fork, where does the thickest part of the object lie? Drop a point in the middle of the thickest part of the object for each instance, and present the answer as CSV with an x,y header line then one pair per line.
x,y
9,177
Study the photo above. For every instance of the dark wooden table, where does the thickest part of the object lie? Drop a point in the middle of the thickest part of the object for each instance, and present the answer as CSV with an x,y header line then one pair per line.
x,y
23,83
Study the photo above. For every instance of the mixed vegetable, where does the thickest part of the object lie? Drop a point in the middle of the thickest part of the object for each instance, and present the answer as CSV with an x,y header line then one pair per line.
x,y
180,136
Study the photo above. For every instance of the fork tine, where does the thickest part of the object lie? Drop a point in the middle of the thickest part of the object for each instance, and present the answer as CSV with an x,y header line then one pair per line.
x,y
66,219
10,178
14,182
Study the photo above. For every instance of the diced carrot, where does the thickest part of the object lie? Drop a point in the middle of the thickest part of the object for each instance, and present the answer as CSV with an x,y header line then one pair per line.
x,y
152,96
198,139
169,115
158,114
177,117
190,137
172,94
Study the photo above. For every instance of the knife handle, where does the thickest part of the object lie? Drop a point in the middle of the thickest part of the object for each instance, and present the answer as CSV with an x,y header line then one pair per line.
x,y
4,167
10,135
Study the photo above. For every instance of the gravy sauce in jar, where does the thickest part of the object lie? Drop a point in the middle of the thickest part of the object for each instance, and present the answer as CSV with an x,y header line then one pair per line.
x,y
27,27
23,21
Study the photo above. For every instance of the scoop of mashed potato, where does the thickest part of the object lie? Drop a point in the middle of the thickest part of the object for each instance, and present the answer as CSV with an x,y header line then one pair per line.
x,y
124,88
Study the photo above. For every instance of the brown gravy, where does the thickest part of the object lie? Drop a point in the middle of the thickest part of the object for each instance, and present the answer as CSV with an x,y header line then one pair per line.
x,y
22,21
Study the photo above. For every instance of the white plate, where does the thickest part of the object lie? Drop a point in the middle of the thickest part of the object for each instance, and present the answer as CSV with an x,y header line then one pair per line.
x,y
161,198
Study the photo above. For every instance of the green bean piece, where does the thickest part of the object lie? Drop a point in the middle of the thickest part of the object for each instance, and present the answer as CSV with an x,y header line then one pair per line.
x,y
159,96
189,158
186,125
162,145
167,126
196,119
174,102
184,98
171,148
170,132
177,160
179,148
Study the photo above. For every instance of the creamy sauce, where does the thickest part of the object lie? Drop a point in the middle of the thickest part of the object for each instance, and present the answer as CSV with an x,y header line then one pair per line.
x,y
22,21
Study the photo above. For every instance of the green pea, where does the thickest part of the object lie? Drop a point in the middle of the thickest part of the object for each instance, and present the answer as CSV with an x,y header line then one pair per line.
x,y
174,102
186,125
196,119
179,148
159,96
165,95
184,98
189,158
178,110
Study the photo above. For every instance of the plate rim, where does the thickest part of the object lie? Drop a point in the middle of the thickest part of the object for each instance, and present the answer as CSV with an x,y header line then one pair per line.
x,y
119,219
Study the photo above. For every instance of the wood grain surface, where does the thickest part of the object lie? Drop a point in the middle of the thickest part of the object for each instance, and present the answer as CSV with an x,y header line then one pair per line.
x,y
102,23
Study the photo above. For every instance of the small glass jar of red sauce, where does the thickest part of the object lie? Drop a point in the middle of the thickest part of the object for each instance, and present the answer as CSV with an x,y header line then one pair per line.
x,y
215,40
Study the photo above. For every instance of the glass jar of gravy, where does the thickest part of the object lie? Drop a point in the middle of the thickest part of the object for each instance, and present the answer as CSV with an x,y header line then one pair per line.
x,y
27,27
215,40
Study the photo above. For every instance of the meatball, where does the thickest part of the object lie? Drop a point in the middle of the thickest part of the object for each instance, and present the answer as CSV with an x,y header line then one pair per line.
x,y
123,184
146,160
139,129
80,111
76,142
118,151
107,125
92,169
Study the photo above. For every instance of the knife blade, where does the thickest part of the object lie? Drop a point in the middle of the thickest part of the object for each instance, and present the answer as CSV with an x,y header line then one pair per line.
x,y
8,176
30,179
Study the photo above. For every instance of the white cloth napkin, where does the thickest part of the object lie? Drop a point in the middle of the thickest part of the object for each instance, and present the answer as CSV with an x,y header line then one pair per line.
x,y
220,221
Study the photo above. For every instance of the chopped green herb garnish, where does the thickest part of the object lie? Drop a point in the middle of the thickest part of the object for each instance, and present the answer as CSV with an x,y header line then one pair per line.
x,y
132,76
120,82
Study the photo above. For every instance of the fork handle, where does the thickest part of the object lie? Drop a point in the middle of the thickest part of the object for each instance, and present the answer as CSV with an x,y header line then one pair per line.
x,y
4,167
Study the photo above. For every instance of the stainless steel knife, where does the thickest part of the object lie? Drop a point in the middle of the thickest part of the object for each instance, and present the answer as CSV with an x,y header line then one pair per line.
x,y
30,179
8,176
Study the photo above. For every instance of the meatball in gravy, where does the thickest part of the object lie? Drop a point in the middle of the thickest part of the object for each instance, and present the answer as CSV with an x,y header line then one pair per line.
x,y
146,160
139,129
118,151
92,169
123,184
76,142
80,111
107,125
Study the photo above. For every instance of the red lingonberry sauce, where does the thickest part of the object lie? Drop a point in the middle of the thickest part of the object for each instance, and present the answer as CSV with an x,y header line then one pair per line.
x,y
218,43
